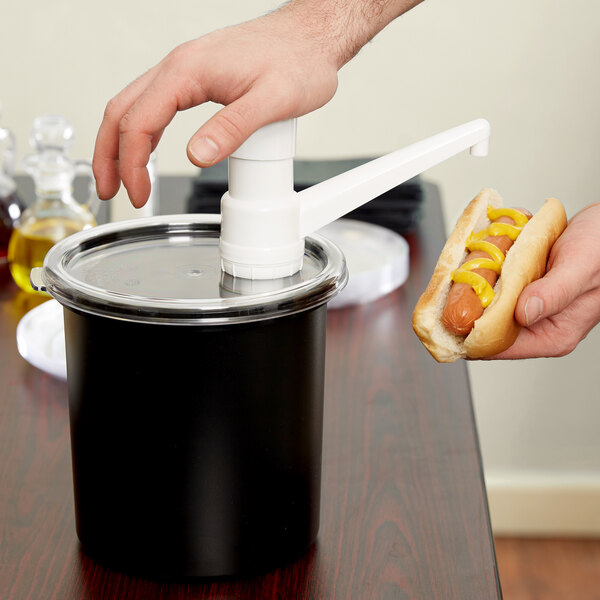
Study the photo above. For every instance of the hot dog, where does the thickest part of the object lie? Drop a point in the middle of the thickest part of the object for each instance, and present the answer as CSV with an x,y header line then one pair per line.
x,y
464,305
467,309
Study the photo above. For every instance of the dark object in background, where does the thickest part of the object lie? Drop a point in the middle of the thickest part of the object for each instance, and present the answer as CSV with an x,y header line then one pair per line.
x,y
11,208
399,209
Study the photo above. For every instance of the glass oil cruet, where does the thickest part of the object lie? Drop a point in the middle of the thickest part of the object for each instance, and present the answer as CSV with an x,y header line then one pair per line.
x,y
55,213
11,205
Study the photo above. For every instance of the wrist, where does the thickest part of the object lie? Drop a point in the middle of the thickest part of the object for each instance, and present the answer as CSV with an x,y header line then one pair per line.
x,y
340,28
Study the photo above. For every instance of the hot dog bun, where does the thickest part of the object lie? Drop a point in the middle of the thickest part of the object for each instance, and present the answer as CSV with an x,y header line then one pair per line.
x,y
496,330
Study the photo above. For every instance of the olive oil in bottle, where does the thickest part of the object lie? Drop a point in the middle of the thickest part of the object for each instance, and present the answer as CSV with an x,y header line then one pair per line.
x,y
55,214
30,242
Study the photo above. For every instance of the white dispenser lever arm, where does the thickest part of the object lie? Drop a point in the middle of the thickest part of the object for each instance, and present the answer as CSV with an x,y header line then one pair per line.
x,y
324,202
264,221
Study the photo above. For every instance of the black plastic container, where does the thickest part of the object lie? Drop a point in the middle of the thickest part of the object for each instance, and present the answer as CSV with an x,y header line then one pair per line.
x,y
196,411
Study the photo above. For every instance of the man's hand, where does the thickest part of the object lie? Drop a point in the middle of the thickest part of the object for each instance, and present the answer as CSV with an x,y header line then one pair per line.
x,y
259,70
278,66
558,310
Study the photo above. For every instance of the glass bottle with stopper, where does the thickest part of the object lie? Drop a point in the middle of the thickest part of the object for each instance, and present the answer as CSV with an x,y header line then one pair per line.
x,y
11,205
55,213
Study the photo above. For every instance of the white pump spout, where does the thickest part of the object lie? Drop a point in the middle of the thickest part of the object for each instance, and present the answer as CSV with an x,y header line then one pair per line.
x,y
264,221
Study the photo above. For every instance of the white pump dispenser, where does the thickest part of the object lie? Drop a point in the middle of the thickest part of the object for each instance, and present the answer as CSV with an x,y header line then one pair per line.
x,y
264,221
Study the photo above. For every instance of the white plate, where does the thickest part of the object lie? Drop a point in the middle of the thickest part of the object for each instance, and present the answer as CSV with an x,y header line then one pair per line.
x,y
377,260
41,339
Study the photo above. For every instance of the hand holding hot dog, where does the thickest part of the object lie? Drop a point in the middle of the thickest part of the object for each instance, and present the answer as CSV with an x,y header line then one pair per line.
x,y
546,316
493,253
559,310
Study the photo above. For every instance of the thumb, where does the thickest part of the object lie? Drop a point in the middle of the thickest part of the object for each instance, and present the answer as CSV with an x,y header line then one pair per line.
x,y
551,294
229,128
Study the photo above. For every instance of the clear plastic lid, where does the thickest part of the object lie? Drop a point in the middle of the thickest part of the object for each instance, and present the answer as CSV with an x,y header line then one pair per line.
x,y
377,260
167,270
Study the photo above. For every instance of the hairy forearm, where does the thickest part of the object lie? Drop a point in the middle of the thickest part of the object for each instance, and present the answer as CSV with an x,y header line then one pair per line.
x,y
343,27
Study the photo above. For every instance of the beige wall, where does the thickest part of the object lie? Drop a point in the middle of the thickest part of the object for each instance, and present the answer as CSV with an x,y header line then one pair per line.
x,y
529,67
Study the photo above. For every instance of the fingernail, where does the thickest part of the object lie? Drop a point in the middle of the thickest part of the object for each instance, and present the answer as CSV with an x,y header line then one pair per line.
x,y
204,150
533,310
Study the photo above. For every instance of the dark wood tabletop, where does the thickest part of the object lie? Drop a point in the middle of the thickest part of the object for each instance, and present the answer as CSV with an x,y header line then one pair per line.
x,y
404,512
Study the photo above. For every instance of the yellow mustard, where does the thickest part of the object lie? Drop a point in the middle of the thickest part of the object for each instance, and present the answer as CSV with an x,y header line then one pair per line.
x,y
464,274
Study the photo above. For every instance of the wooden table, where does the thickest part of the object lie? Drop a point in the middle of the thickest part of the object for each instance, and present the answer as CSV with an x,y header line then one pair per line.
x,y
404,512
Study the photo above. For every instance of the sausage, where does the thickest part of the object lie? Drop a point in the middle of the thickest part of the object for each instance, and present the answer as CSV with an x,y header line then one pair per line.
x,y
463,306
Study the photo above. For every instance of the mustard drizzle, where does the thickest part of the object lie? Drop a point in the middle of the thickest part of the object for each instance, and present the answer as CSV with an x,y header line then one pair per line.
x,y
476,241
